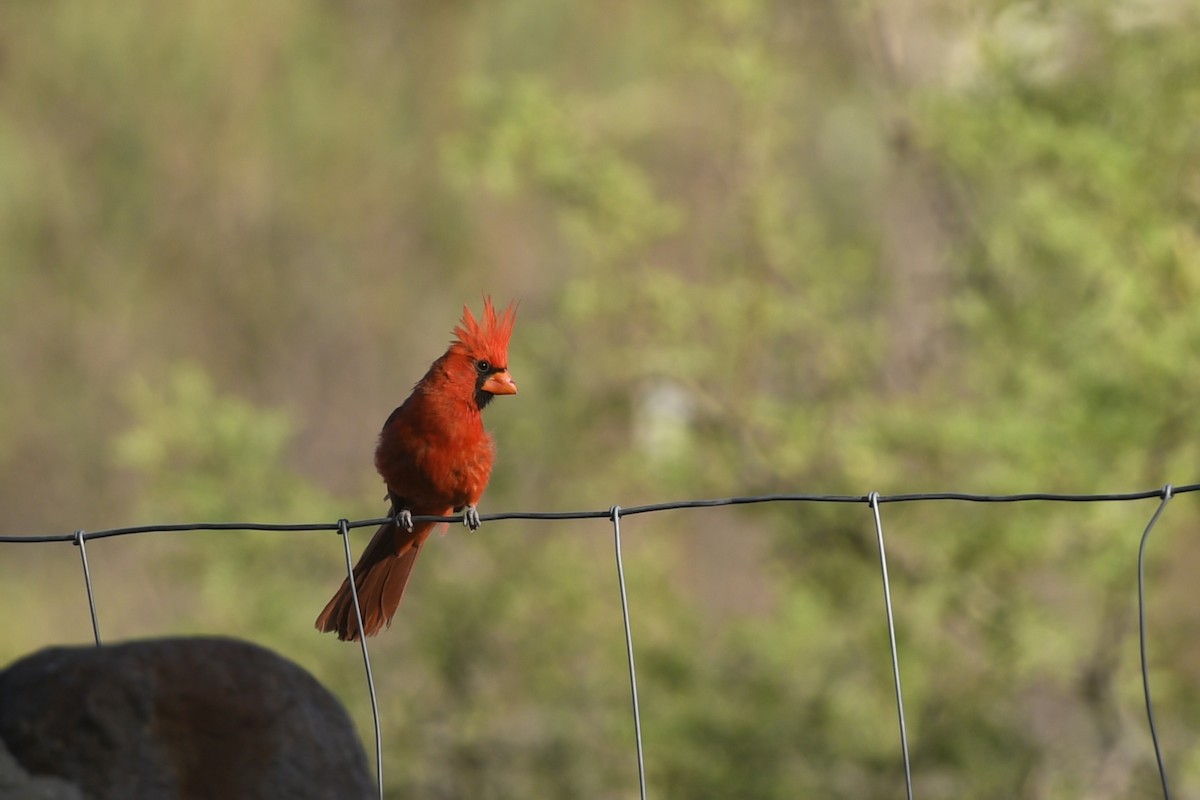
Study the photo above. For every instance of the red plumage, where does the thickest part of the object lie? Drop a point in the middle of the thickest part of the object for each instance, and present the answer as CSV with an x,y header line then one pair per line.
x,y
436,458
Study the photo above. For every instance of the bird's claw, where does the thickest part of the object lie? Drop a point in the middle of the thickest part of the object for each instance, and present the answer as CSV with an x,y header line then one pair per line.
x,y
404,519
471,518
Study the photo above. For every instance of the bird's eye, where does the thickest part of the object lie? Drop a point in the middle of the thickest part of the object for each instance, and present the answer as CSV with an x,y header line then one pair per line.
x,y
482,366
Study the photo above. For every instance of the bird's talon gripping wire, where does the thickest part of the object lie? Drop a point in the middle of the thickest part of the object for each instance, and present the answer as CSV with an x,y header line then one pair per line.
x,y
471,518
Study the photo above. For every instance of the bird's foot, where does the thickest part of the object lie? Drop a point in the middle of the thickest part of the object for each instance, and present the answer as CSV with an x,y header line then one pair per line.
x,y
471,518
404,519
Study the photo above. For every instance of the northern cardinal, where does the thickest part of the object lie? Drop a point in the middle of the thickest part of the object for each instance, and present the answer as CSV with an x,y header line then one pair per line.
x,y
435,458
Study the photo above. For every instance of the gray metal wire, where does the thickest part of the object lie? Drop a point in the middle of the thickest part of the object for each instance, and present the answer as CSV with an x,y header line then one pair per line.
x,y
873,501
343,526
615,511
81,543
1167,493
626,511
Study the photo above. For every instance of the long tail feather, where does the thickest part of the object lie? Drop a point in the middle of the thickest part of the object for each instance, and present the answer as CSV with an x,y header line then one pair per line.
x,y
380,576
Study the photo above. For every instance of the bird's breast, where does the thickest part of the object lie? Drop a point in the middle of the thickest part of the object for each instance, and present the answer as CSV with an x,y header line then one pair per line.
x,y
462,475
436,467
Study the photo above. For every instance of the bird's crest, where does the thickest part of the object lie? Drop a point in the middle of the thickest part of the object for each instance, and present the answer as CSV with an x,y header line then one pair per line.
x,y
487,337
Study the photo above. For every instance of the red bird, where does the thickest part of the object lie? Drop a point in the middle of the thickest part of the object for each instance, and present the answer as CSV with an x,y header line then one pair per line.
x,y
435,458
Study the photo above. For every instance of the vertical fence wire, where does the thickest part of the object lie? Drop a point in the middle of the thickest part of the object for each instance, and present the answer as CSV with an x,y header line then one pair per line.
x,y
80,539
873,501
344,531
615,513
1167,492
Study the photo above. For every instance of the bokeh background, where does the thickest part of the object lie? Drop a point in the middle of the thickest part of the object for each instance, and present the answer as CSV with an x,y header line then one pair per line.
x,y
817,246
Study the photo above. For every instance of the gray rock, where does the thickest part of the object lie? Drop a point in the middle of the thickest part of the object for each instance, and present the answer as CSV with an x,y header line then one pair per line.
x,y
179,718
17,784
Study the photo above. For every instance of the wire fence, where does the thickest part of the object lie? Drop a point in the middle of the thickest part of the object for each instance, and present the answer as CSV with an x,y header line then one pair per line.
x,y
614,514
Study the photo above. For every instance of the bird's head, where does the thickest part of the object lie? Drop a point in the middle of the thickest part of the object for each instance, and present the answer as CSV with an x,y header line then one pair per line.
x,y
482,346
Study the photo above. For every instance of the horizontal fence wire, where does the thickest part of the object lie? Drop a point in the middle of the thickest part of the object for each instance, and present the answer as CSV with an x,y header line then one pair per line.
x,y
626,511
873,500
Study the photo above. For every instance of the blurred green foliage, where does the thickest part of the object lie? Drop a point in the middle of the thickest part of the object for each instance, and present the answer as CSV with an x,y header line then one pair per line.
x,y
760,246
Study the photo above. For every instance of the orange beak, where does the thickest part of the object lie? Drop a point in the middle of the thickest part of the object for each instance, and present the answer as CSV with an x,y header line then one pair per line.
x,y
500,383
